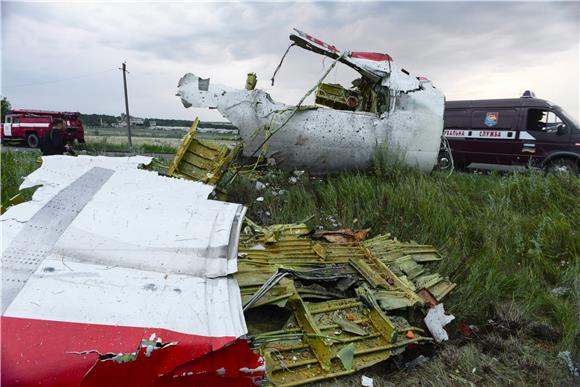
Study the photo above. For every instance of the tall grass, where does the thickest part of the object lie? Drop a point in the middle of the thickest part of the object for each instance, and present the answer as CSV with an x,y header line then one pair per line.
x,y
506,238
13,167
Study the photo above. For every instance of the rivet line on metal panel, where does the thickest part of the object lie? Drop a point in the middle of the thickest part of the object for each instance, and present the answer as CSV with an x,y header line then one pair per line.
x,y
38,236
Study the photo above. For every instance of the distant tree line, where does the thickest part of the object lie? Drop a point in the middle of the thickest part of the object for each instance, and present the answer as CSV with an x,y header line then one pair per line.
x,y
95,119
167,122
108,120
104,119
5,106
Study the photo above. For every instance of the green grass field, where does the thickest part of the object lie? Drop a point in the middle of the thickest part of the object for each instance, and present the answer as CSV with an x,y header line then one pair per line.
x,y
510,237
13,167
102,145
95,148
145,141
135,131
511,243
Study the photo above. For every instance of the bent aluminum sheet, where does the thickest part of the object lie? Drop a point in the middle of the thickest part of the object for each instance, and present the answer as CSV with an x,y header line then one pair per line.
x,y
133,288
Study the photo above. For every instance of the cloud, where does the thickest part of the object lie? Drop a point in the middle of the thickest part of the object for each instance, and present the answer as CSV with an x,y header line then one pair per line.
x,y
470,50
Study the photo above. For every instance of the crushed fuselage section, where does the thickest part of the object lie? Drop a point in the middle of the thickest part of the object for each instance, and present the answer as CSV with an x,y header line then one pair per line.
x,y
387,109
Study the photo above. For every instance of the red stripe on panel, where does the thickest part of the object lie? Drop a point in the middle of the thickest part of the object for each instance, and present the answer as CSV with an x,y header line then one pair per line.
x,y
371,56
58,353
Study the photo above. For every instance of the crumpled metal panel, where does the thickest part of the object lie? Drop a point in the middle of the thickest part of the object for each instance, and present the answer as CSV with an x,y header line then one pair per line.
x,y
407,261
138,219
340,294
289,246
331,339
201,160
135,285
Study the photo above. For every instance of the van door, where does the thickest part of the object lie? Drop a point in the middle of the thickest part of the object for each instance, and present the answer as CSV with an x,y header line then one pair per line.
x,y
493,132
546,133
457,123
8,126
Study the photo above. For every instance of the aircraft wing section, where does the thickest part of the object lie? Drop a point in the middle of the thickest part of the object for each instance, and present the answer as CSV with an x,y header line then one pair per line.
x,y
114,275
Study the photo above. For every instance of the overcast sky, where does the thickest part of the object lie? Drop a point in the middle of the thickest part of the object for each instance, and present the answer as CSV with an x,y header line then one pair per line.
x,y
65,56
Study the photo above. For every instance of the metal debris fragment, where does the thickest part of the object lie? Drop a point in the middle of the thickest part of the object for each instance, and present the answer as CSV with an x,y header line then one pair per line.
x,y
341,295
201,160
417,361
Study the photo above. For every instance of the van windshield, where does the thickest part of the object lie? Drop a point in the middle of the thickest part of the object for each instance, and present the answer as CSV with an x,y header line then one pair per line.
x,y
567,115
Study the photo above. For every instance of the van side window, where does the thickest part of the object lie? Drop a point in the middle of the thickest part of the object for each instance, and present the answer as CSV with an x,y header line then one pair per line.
x,y
8,119
543,121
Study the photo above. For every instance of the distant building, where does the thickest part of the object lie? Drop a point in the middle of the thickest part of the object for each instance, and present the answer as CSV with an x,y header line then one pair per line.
x,y
217,129
122,121
163,127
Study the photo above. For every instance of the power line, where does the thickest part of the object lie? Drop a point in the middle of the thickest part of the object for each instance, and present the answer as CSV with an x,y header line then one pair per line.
x,y
61,80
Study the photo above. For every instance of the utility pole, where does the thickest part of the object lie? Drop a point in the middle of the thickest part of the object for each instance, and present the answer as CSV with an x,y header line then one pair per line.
x,y
124,69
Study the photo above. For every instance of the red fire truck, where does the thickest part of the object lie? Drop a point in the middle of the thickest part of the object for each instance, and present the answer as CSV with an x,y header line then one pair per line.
x,y
30,126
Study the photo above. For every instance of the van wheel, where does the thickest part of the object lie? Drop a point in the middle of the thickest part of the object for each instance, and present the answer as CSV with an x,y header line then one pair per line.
x,y
443,161
32,140
563,167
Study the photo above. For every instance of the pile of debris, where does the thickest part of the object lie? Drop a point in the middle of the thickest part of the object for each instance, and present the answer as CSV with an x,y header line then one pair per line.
x,y
123,283
112,272
347,297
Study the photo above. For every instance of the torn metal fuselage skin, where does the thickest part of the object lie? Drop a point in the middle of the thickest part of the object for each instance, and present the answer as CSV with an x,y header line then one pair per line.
x,y
316,138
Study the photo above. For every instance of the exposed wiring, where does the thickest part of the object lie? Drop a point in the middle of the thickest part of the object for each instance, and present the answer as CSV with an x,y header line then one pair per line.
x,y
447,148
297,107
281,60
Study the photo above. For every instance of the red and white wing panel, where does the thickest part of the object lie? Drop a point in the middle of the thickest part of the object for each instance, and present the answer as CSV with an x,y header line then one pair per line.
x,y
129,288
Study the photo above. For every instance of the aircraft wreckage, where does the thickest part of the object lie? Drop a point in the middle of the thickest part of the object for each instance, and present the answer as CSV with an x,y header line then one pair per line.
x,y
387,106
117,275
